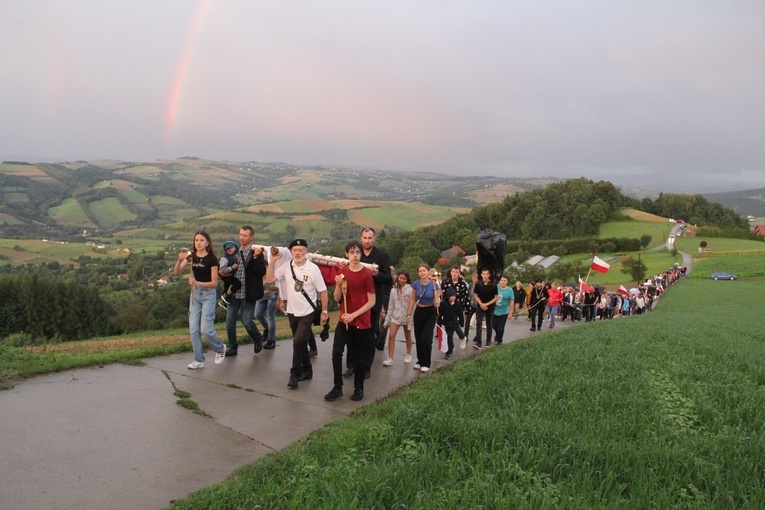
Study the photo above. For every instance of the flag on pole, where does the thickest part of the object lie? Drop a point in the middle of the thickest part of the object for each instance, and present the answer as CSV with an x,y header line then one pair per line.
x,y
443,345
623,290
583,287
599,265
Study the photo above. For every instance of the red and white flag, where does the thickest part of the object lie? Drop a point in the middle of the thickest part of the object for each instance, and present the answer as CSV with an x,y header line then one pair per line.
x,y
443,345
599,265
583,287
623,290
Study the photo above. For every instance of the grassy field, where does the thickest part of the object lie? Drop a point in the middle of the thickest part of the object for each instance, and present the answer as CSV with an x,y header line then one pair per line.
x,y
719,245
744,265
70,213
663,410
110,212
655,261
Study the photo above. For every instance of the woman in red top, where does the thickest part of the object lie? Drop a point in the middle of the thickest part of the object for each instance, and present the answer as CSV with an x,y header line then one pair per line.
x,y
553,302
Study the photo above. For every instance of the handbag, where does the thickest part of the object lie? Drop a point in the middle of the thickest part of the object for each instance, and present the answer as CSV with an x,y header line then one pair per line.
x,y
316,306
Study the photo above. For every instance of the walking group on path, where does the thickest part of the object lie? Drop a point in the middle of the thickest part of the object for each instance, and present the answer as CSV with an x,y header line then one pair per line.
x,y
375,302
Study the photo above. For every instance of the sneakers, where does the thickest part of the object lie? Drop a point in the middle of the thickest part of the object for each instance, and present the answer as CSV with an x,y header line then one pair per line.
x,y
223,303
533,328
358,394
552,325
416,366
388,362
195,364
477,346
463,343
408,359
488,345
425,369
335,393
220,356
269,345
448,355
293,382
258,345
225,298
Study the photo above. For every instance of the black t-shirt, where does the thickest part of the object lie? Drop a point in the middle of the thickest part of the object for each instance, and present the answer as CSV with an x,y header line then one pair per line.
x,y
203,268
485,292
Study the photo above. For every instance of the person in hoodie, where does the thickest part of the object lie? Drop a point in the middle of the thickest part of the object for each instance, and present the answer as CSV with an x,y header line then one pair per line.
x,y
452,318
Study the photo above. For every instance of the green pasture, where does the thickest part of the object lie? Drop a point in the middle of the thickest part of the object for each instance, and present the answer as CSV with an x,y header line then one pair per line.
x,y
718,244
110,211
659,232
742,264
145,171
655,261
70,213
12,197
294,207
37,251
8,219
662,410
134,197
405,216
164,200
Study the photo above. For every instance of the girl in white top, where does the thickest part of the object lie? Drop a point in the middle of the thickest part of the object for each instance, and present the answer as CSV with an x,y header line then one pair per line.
x,y
398,307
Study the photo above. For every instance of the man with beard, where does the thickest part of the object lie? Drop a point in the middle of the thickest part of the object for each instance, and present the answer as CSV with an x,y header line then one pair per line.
x,y
250,272
305,287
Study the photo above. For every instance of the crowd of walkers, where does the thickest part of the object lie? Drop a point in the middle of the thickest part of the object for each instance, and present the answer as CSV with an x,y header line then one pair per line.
x,y
375,302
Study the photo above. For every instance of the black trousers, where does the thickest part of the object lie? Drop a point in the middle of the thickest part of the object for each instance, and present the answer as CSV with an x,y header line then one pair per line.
x,y
424,322
359,343
301,329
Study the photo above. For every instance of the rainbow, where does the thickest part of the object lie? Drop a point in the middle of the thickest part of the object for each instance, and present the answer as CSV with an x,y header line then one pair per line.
x,y
182,70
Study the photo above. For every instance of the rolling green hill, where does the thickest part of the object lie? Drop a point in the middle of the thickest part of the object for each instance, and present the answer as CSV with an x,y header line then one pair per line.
x,y
104,198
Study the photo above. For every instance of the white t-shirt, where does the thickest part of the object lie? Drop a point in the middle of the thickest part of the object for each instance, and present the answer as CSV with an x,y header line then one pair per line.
x,y
313,284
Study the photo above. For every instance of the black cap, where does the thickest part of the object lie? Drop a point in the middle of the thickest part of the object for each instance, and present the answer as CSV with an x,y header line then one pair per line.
x,y
298,242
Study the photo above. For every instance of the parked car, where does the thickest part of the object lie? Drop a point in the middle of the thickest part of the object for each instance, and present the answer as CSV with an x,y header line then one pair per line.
x,y
723,276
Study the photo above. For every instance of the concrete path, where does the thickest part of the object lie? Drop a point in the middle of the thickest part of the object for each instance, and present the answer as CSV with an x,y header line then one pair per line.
x,y
113,437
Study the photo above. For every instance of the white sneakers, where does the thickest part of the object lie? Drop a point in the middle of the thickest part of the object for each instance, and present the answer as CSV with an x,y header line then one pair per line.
x,y
407,359
424,369
463,343
220,356
416,366
388,362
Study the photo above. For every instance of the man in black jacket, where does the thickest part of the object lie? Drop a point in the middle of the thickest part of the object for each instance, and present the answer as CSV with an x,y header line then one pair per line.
x,y
250,273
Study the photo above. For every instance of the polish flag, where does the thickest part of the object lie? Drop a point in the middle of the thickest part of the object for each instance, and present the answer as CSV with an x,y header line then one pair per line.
x,y
599,265
583,287
443,345
623,290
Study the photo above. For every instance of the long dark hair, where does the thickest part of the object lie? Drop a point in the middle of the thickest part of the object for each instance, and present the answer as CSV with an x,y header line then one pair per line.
x,y
204,234
405,273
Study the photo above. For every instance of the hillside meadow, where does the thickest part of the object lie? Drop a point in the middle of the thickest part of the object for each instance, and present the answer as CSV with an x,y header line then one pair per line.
x,y
662,410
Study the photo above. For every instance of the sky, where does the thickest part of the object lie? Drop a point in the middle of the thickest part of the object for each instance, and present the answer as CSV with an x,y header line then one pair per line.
x,y
657,94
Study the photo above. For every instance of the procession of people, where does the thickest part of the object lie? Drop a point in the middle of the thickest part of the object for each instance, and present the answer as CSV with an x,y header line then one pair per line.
x,y
375,301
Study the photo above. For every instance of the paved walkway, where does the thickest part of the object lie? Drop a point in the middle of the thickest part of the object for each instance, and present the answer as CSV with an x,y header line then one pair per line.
x,y
113,437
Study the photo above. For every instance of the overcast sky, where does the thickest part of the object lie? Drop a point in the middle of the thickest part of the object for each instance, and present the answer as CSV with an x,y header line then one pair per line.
x,y
667,91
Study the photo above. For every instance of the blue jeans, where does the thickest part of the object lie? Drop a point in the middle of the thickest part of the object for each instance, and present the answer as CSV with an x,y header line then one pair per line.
x,y
202,321
248,316
265,312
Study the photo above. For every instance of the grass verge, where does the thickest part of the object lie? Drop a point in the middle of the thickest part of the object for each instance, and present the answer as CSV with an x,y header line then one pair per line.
x,y
663,410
